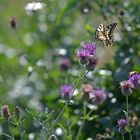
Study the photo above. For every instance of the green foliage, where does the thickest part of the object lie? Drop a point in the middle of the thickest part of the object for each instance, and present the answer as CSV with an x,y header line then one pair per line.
x,y
31,74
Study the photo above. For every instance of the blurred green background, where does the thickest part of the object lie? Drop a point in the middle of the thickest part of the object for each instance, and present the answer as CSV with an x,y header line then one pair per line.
x,y
45,35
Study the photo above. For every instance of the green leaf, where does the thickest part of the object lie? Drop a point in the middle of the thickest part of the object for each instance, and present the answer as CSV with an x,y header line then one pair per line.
x,y
89,29
128,129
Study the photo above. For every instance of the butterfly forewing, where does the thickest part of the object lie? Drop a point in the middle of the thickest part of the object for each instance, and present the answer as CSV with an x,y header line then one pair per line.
x,y
100,32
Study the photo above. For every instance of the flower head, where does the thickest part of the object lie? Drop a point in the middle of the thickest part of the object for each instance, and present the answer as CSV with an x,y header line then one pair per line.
x,y
98,96
17,111
66,91
86,89
83,54
134,77
90,47
126,87
64,64
122,123
13,23
87,56
5,111
91,63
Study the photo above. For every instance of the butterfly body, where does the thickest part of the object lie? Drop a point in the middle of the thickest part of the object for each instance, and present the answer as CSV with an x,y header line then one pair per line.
x,y
105,33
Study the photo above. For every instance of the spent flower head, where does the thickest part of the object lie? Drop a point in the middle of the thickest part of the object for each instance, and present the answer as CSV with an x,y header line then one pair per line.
x,y
86,89
126,87
66,92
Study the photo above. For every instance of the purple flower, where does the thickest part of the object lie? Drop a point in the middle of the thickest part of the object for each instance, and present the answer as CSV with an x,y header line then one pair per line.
x,y
83,53
126,87
134,77
66,91
98,96
122,123
86,56
90,47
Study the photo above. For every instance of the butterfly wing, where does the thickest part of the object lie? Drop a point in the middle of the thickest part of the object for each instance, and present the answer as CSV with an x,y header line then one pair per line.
x,y
100,32
109,34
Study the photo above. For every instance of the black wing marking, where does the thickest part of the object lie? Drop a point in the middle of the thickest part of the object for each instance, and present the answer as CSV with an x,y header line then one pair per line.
x,y
109,33
110,29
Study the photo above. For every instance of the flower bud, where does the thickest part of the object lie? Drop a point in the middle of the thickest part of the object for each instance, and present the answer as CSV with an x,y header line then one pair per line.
x,y
17,111
13,23
66,92
5,111
126,87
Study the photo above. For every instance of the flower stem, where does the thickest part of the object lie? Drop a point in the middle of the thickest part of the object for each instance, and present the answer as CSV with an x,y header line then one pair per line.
x,y
76,84
128,117
127,107
130,136
57,118
68,123
82,124
122,136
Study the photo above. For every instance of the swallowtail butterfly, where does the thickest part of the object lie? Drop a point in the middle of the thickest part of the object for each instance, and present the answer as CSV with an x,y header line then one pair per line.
x,y
105,33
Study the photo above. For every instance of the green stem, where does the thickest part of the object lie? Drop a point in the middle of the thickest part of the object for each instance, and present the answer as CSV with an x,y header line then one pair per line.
x,y
9,126
57,118
130,136
68,123
122,136
20,128
81,126
76,84
128,117
127,107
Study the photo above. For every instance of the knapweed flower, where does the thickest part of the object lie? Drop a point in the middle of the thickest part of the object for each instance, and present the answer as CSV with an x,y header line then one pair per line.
x,y
90,47
66,92
64,64
98,96
5,112
13,22
86,89
126,87
17,111
87,56
122,123
91,63
83,55
134,77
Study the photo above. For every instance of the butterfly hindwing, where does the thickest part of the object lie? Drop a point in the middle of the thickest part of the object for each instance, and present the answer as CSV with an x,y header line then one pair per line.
x,y
109,33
